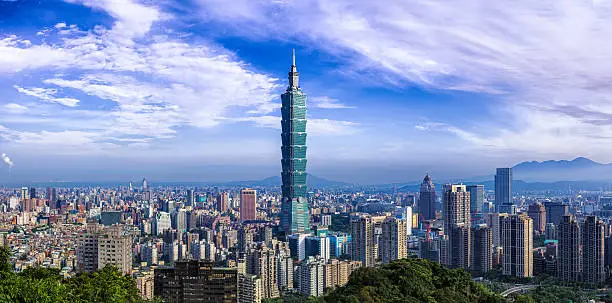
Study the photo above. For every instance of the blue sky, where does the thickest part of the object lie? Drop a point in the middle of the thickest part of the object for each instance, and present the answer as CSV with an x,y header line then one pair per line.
x,y
189,90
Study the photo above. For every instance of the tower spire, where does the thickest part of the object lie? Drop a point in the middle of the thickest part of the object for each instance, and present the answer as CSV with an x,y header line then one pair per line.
x,y
294,76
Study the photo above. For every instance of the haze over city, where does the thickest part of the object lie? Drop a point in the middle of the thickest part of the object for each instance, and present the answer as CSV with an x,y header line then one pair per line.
x,y
189,90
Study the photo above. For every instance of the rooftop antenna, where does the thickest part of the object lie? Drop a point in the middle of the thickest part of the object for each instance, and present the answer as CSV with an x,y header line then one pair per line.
x,y
293,56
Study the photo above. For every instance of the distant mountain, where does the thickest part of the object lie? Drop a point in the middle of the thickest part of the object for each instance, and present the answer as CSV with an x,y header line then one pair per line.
x,y
579,169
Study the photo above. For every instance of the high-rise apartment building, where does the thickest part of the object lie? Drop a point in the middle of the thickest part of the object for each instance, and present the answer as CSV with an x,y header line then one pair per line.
x,y
457,225
250,288
482,249
517,244
362,242
294,207
99,247
191,199
537,212
262,262
593,253
569,263
503,191
193,281
248,204
393,244
311,277
476,197
285,271
337,272
493,220
427,199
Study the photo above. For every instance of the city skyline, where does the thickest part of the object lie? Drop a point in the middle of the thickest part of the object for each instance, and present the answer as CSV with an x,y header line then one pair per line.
x,y
109,90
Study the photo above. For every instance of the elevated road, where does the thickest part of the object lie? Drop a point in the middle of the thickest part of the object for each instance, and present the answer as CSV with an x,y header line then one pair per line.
x,y
520,288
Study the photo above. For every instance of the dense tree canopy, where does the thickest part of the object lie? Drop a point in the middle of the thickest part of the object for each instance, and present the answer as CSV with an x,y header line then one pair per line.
x,y
42,285
411,280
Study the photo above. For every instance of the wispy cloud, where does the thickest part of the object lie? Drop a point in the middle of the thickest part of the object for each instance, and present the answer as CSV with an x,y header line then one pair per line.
x,y
326,103
48,95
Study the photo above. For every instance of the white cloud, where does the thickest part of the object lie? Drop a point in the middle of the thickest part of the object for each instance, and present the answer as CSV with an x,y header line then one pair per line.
x,y
61,25
14,107
48,95
545,63
326,103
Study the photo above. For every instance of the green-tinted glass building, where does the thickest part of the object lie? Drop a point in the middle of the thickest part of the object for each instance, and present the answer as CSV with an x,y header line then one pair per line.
x,y
294,208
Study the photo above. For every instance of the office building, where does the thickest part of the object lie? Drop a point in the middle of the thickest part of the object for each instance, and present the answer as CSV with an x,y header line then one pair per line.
x,y
24,193
317,246
394,240
503,191
482,249
427,199
569,266
517,245
593,254
362,240
311,277
537,212
191,199
250,289
555,212
476,198
294,207
195,282
222,202
248,205
457,225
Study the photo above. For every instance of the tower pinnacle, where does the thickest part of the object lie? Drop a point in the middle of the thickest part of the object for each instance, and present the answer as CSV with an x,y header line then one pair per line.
x,y
294,76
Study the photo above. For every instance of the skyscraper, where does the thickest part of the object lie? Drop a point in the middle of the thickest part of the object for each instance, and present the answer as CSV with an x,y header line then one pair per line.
x,y
593,251
144,184
222,202
362,243
457,225
294,207
394,240
262,262
427,199
503,191
537,212
248,204
482,255
569,266
517,243
476,197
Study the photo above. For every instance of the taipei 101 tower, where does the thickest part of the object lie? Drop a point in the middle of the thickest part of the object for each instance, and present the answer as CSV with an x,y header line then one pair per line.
x,y
294,208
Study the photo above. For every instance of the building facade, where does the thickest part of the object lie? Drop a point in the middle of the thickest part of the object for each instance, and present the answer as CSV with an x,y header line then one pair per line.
x,y
569,263
394,240
427,199
593,251
196,281
537,212
503,191
457,225
517,245
362,240
248,204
